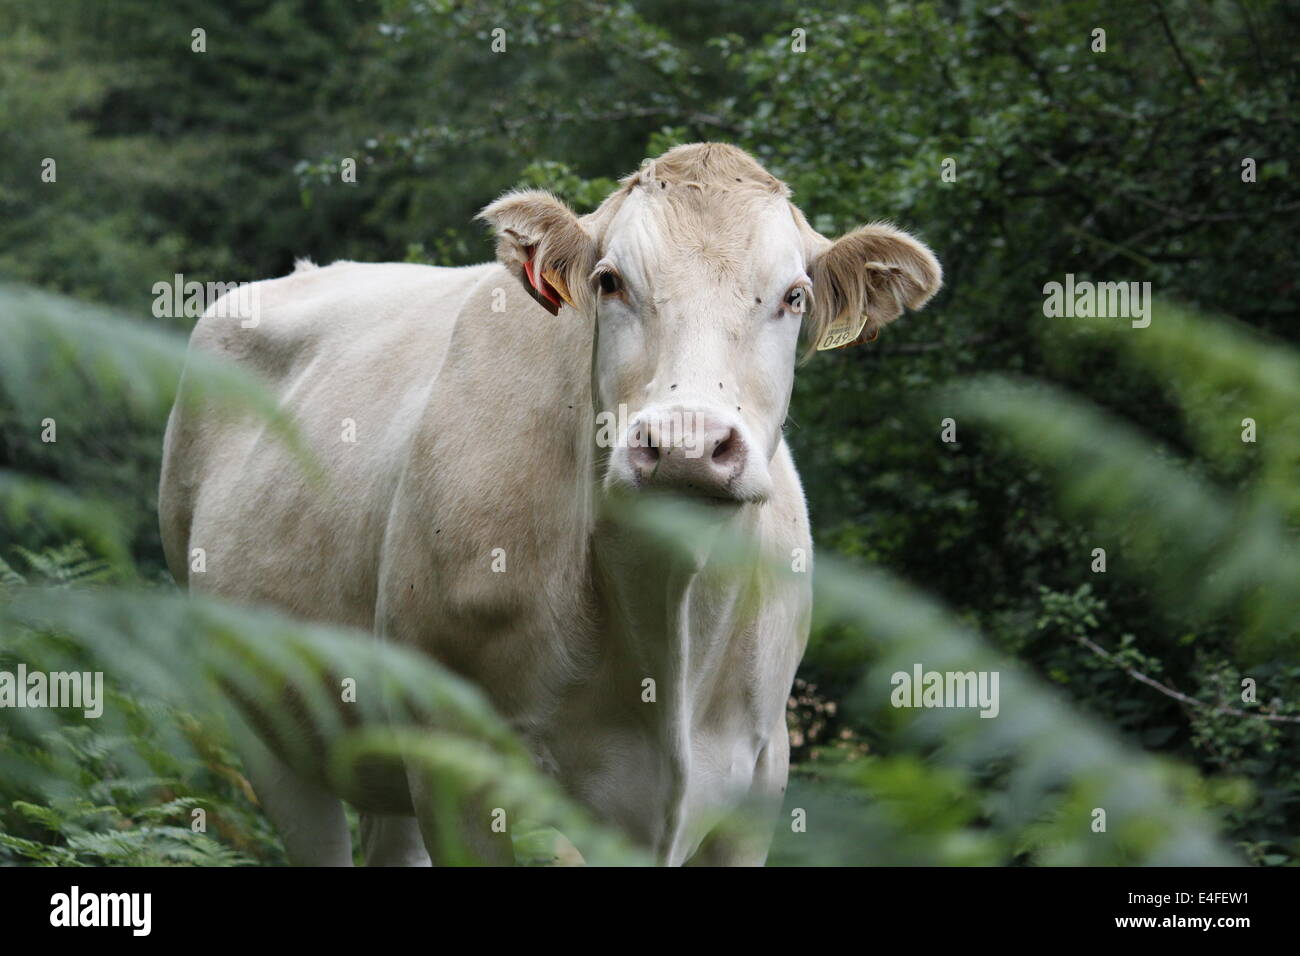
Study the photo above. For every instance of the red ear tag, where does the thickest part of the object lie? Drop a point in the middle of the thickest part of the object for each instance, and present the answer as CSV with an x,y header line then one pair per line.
x,y
540,289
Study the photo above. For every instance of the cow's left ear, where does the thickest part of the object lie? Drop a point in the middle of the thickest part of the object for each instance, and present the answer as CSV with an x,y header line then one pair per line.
x,y
864,280
541,241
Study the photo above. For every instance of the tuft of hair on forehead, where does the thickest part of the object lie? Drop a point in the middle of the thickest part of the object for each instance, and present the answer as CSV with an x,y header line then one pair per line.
x,y
704,196
696,181
719,165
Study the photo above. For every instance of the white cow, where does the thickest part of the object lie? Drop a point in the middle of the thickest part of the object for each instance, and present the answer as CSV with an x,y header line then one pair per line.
x,y
464,521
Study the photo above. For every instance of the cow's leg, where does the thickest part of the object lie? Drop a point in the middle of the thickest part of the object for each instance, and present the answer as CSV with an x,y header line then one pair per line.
x,y
732,849
471,825
309,819
392,841
749,848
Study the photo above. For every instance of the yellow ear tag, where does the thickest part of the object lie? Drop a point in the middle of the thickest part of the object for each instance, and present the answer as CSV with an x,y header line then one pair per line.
x,y
553,277
843,331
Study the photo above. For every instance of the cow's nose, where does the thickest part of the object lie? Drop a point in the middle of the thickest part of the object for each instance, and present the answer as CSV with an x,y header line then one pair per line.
x,y
695,453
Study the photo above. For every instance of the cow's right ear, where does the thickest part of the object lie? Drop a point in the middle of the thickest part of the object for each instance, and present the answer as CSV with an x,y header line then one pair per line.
x,y
541,241
864,280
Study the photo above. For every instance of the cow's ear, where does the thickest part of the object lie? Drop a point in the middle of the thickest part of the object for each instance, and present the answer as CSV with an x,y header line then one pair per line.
x,y
541,241
864,280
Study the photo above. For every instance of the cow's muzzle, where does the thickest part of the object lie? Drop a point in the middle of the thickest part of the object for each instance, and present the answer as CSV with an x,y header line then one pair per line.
x,y
689,451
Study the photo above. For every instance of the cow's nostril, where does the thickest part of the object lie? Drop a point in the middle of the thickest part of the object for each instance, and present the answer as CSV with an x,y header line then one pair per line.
x,y
644,450
644,461
727,450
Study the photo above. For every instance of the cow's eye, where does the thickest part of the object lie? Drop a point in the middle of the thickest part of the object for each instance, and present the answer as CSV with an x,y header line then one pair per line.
x,y
797,299
610,283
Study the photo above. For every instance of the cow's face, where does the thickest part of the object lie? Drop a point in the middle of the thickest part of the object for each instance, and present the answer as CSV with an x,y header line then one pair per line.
x,y
698,276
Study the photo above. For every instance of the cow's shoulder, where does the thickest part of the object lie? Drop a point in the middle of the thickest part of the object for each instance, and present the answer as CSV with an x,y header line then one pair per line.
x,y
348,352
486,561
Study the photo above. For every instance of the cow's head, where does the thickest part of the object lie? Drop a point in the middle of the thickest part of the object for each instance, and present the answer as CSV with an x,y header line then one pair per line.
x,y
698,274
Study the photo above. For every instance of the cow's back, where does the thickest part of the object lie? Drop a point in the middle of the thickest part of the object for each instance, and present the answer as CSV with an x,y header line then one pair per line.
x,y
350,352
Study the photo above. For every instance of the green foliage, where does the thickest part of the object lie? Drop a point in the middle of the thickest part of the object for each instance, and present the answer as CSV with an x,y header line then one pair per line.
x,y
111,784
1221,558
82,377
117,790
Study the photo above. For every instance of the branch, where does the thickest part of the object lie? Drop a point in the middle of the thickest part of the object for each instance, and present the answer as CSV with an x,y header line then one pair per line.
x,y
1182,698
1021,54
1178,52
1188,217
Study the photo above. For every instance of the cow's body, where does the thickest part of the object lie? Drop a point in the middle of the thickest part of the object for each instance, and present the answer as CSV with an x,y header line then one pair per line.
x,y
448,399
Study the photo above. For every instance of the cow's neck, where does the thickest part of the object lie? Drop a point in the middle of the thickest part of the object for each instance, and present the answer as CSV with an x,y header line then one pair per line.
x,y
672,605
676,641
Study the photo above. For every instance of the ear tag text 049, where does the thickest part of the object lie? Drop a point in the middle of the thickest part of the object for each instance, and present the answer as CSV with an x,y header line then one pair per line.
x,y
843,331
